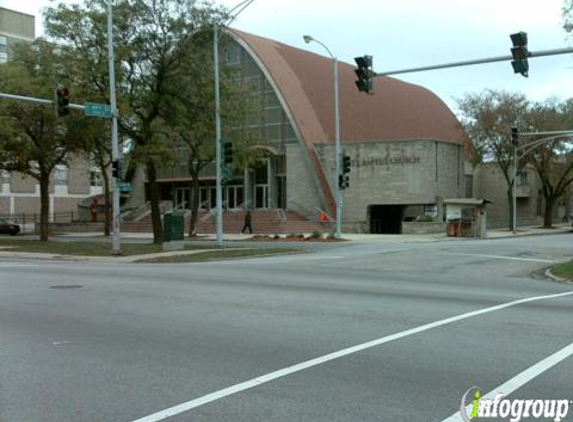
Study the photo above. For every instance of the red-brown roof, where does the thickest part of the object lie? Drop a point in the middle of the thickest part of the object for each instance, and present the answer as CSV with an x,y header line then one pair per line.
x,y
397,111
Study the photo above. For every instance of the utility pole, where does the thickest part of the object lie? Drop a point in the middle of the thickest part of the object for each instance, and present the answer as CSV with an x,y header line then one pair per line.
x,y
114,139
218,163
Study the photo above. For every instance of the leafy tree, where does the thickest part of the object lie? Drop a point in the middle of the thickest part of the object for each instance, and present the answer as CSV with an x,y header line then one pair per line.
x,y
96,144
553,160
152,45
487,118
192,116
32,139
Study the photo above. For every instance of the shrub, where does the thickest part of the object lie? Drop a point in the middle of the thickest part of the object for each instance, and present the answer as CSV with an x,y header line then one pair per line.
x,y
425,219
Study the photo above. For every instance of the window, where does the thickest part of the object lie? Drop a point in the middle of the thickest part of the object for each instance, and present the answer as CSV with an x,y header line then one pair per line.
x,y
3,49
96,178
522,178
61,176
233,55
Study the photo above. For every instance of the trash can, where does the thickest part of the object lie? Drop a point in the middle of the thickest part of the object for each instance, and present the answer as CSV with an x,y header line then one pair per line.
x,y
173,226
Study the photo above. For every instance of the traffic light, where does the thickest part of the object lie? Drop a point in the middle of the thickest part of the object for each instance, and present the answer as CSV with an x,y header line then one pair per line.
x,y
343,179
117,169
228,152
515,136
365,74
345,164
62,102
519,53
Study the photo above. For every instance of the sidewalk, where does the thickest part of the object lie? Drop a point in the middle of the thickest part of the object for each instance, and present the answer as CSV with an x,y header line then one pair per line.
x,y
359,237
529,231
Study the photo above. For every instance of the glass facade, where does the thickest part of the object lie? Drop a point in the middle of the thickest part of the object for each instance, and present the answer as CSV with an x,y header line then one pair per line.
x,y
264,124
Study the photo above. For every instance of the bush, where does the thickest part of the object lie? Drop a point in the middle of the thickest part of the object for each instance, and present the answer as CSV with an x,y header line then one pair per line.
x,y
425,219
316,235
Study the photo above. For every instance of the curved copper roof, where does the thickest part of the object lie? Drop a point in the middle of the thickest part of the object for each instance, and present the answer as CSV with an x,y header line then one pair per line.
x,y
397,111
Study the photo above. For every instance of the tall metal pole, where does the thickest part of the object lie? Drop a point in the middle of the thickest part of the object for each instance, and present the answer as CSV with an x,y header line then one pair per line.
x,y
114,140
219,189
337,152
514,217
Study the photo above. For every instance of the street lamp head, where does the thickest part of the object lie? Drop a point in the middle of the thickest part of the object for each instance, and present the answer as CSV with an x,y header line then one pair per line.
x,y
307,39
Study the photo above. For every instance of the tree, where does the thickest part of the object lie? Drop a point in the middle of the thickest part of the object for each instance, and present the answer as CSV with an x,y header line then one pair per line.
x,y
33,140
96,145
192,116
553,161
487,118
152,39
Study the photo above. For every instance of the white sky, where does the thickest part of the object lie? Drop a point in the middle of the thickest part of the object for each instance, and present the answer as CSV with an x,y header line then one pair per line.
x,y
411,33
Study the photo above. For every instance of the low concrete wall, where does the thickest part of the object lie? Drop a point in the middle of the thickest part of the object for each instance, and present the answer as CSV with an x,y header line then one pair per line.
x,y
521,222
415,227
76,227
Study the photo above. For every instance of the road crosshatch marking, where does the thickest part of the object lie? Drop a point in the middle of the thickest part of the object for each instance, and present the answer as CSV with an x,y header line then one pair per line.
x,y
254,382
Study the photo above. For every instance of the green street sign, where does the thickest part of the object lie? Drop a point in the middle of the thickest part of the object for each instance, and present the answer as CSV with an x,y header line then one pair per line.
x,y
98,110
125,187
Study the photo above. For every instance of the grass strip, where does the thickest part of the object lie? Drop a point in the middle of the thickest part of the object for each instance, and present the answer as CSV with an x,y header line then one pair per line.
x,y
564,270
218,255
83,248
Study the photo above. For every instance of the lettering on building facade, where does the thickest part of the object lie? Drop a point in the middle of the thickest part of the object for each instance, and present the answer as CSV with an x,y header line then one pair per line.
x,y
373,162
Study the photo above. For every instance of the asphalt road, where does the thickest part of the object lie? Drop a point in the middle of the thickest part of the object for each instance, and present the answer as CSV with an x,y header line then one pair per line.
x,y
353,332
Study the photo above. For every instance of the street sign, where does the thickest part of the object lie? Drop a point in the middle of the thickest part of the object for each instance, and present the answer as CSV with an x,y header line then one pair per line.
x,y
125,187
98,110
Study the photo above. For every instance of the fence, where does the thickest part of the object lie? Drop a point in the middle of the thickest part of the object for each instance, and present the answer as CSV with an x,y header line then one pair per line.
x,y
30,223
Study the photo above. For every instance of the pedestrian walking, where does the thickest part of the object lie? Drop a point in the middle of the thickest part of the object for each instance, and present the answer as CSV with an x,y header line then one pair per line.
x,y
248,222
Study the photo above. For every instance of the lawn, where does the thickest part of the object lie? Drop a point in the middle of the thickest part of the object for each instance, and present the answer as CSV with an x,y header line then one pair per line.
x,y
82,248
223,254
564,270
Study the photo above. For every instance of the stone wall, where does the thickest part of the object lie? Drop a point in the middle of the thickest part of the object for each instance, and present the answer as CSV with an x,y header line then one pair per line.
x,y
415,227
301,187
396,173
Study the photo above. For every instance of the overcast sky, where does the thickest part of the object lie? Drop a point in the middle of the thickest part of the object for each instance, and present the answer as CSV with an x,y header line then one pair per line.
x,y
412,33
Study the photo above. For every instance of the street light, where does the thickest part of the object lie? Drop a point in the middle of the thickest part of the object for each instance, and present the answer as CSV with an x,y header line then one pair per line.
x,y
218,149
337,156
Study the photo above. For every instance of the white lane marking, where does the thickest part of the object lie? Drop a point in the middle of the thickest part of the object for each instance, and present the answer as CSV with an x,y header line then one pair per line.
x,y
57,343
520,379
184,407
510,258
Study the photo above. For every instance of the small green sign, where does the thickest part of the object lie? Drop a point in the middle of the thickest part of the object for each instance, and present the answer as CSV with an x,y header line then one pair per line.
x,y
125,187
98,110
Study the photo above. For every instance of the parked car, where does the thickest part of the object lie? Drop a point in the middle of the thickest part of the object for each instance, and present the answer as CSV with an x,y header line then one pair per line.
x,y
7,227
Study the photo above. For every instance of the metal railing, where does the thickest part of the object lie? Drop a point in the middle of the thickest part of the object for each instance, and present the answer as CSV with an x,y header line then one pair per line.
x,y
30,223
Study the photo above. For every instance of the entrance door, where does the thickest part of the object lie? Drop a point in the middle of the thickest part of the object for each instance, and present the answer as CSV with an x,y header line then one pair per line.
x,y
182,198
261,196
261,184
386,219
235,197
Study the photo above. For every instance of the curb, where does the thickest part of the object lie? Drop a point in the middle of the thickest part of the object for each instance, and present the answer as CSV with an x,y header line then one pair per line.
x,y
512,236
552,276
